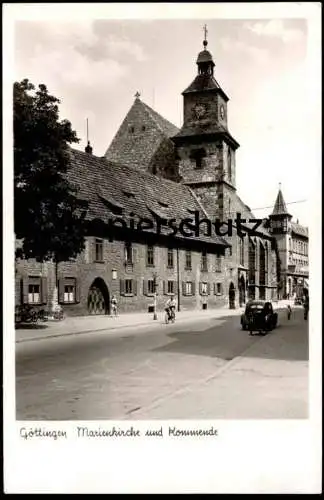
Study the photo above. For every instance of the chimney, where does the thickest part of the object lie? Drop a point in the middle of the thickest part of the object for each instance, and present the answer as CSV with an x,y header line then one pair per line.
x,y
88,148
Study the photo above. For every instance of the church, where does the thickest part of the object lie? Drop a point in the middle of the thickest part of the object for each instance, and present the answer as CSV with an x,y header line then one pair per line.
x,y
152,171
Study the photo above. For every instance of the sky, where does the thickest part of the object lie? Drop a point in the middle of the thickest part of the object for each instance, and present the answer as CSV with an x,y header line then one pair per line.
x,y
95,66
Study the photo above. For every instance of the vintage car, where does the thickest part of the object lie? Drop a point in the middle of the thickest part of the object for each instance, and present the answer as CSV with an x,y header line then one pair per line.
x,y
259,316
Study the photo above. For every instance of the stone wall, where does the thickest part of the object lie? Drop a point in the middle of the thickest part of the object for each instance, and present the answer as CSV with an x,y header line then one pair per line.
x,y
112,270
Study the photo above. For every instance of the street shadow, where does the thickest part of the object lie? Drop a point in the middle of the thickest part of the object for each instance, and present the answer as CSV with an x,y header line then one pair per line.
x,y
30,326
226,340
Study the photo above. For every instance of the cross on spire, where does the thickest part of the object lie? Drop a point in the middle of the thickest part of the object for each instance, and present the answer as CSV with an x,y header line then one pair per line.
x,y
205,32
137,95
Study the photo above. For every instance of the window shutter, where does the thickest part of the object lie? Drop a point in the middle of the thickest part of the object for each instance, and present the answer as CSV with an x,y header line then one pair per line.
x,y
200,288
215,288
44,290
61,290
77,290
193,288
184,288
25,290
122,287
144,287
134,287
208,288
164,287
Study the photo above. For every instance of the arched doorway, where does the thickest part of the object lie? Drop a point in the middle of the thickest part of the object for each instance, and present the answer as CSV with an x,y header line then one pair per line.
x,y
241,290
231,296
98,298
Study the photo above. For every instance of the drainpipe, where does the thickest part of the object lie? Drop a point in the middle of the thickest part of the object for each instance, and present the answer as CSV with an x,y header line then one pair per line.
x,y
178,279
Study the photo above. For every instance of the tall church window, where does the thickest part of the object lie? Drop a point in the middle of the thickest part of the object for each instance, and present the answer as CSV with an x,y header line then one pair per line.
x,y
262,265
241,250
229,163
251,262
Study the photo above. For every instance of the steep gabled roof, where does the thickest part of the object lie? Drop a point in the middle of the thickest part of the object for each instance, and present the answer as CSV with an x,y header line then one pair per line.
x,y
114,190
166,127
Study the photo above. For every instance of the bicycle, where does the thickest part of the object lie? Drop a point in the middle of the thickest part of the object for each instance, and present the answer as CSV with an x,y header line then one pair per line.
x,y
169,315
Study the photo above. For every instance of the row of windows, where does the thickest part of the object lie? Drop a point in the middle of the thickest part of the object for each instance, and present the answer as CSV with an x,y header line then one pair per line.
x,y
150,257
68,292
34,291
299,262
129,287
299,246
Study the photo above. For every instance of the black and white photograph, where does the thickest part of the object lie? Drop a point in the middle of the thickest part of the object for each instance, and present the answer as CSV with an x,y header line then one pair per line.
x,y
164,228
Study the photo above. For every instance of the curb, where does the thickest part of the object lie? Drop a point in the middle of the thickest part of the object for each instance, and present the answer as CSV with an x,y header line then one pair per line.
x,y
68,334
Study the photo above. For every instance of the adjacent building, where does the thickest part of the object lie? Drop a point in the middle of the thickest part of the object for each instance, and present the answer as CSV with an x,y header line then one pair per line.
x,y
292,242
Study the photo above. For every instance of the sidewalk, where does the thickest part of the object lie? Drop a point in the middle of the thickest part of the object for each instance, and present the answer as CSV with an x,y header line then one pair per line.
x,y
88,324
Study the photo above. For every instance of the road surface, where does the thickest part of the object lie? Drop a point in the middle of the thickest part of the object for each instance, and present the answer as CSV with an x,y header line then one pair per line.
x,y
206,369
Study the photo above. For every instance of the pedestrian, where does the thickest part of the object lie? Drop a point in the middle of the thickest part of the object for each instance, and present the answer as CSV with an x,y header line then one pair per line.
x,y
289,311
114,305
306,306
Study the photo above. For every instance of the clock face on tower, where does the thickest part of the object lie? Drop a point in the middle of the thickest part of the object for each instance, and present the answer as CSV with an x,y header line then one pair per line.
x,y
222,112
199,111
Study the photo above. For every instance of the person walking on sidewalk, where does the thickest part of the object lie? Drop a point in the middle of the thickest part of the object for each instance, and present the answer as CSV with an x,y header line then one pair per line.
x,y
306,306
113,306
289,311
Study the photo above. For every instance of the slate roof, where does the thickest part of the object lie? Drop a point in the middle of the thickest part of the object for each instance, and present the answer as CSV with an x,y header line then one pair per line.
x,y
114,190
280,205
205,82
167,127
299,229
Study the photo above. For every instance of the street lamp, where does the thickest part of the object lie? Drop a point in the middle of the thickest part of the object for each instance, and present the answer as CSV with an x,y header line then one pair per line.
x,y
155,287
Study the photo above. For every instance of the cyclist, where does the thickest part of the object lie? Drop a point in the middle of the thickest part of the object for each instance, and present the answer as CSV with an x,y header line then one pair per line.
x,y
170,306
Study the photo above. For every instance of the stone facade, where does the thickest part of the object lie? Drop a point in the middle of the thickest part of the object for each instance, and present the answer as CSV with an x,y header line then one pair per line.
x,y
110,273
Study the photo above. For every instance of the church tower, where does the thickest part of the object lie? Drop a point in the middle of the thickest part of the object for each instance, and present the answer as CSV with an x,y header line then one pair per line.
x,y
280,228
205,147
